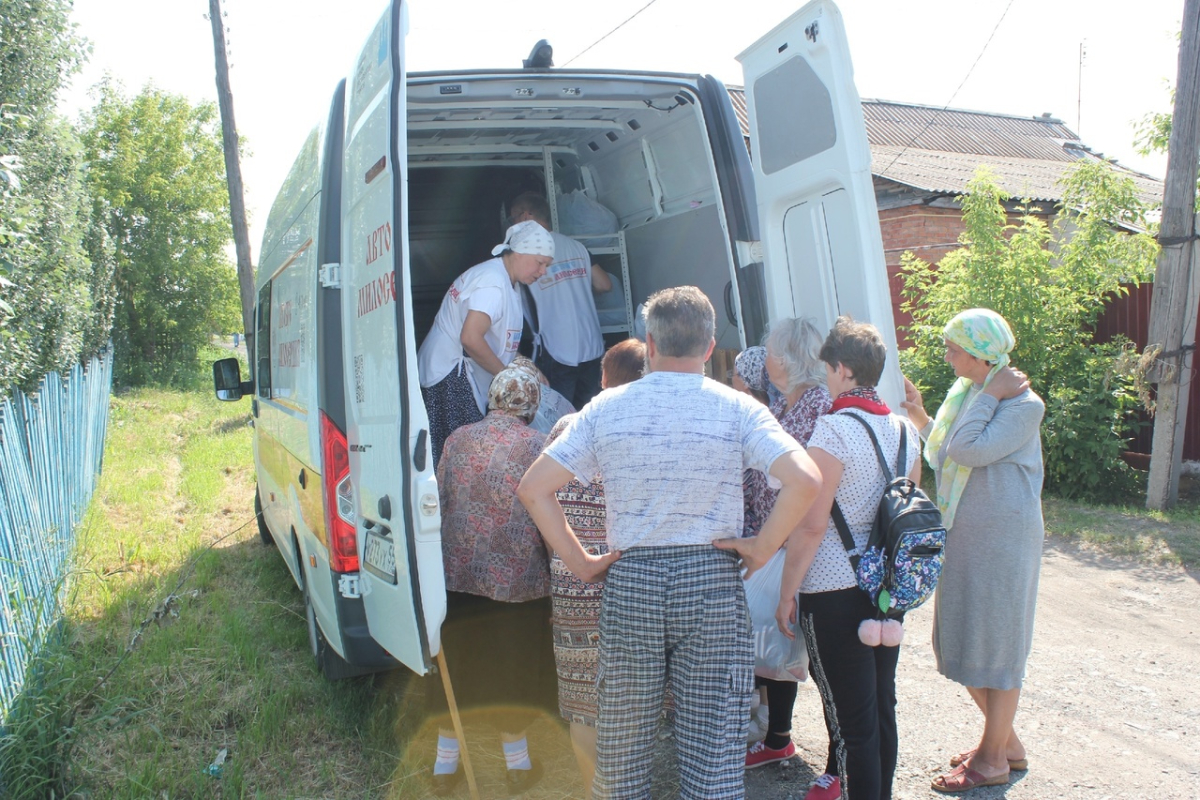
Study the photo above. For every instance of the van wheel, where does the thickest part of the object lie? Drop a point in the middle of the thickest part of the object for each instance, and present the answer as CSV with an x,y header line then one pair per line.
x,y
327,661
264,532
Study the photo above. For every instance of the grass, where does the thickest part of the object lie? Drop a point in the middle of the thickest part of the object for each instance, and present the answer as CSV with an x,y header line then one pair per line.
x,y
222,662
184,635
1170,537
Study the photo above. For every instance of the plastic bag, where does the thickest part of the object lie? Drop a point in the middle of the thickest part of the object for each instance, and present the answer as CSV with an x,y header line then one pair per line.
x,y
760,718
580,215
775,656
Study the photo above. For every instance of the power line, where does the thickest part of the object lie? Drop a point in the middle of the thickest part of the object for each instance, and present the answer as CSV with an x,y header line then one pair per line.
x,y
966,77
610,33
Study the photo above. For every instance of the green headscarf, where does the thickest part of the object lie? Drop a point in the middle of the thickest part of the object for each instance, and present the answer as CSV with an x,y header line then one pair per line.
x,y
984,334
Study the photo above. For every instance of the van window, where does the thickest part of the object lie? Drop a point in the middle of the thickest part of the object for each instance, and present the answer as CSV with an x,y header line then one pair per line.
x,y
262,342
794,114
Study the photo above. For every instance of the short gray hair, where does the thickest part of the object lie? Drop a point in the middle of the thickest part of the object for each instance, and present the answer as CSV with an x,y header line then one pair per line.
x,y
798,342
681,321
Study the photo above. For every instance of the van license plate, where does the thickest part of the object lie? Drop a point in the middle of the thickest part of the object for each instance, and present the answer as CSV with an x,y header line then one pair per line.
x,y
380,556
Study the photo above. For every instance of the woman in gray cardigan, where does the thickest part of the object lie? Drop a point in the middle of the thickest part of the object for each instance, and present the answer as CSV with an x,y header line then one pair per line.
x,y
985,448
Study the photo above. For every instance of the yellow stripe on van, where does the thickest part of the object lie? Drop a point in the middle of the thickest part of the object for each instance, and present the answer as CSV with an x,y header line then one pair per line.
x,y
284,468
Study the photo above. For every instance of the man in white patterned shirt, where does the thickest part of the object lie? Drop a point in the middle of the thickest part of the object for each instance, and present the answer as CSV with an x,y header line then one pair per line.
x,y
671,447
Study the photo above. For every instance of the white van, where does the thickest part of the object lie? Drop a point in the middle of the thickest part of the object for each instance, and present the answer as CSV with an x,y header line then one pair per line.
x,y
404,187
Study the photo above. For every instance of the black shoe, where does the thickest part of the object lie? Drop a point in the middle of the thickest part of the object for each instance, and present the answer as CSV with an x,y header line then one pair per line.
x,y
443,785
522,780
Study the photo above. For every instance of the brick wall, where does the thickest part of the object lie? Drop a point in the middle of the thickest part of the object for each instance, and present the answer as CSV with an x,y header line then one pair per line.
x,y
928,232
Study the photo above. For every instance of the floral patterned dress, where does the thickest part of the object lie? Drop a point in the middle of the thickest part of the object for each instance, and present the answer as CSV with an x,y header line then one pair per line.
x,y
490,546
798,421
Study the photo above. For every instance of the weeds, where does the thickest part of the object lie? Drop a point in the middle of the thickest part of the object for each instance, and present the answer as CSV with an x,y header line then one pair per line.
x,y
39,735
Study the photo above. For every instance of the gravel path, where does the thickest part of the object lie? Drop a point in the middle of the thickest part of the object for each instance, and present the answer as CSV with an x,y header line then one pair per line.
x,y
1110,707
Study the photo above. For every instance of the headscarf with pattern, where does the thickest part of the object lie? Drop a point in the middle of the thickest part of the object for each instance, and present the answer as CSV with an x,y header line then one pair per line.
x,y
984,334
751,367
527,237
515,392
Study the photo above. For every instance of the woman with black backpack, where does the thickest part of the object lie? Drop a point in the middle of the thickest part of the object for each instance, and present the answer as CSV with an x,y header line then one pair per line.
x,y
820,592
985,448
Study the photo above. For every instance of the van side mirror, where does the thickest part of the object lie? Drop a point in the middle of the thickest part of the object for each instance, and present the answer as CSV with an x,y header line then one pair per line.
x,y
227,380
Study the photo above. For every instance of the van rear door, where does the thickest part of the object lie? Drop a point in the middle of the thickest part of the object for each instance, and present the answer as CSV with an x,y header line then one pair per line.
x,y
822,249
396,499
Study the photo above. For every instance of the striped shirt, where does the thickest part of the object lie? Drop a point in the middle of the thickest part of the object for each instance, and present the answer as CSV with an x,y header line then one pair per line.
x,y
671,448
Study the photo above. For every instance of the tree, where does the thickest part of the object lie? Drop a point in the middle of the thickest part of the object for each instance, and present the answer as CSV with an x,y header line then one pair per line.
x,y
1050,282
157,176
55,282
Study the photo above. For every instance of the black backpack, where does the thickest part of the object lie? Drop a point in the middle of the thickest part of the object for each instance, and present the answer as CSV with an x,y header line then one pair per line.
x,y
900,567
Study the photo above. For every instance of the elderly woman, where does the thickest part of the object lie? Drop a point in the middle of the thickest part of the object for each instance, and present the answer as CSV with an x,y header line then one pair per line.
x,y
553,406
985,448
792,365
495,637
857,682
477,329
750,375
576,604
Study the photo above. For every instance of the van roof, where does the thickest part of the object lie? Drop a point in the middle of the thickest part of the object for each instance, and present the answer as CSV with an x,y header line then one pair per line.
x,y
425,77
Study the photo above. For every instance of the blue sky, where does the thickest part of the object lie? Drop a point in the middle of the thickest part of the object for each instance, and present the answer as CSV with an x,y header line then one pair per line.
x,y
287,56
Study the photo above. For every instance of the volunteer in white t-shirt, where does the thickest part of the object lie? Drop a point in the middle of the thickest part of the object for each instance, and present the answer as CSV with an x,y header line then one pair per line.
x,y
477,329
567,341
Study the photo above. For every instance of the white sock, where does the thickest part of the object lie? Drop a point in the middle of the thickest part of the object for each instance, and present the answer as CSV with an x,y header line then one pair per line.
x,y
447,756
516,754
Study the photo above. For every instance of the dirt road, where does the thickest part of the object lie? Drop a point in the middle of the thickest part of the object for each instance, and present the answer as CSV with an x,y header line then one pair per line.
x,y
1110,707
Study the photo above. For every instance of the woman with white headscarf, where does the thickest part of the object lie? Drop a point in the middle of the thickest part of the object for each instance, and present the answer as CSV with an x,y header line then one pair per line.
x,y
985,448
477,329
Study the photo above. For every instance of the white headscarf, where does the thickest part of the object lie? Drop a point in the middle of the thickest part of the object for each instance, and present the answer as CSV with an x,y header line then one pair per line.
x,y
527,237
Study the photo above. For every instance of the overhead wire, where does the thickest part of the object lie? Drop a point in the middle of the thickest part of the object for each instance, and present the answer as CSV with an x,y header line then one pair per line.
x,y
946,107
610,33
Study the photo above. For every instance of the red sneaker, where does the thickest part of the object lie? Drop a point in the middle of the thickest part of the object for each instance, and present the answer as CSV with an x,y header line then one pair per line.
x,y
759,754
826,787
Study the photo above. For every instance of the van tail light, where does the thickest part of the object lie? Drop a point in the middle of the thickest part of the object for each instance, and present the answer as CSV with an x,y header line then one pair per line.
x,y
339,498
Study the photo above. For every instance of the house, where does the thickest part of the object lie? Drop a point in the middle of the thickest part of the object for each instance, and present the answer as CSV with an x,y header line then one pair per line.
x,y
922,158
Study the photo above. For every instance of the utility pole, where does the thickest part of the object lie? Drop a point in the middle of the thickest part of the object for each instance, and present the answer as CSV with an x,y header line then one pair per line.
x,y
1177,276
1079,91
233,176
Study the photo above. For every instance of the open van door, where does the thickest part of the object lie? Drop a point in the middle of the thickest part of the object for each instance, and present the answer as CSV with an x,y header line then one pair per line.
x,y
819,223
396,499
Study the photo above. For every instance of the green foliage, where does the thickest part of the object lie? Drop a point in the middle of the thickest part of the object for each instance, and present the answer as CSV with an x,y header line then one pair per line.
x,y
1050,283
55,289
1153,134
157,173
39,733
38,52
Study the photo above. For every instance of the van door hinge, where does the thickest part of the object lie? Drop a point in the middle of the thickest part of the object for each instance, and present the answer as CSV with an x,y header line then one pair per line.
x,y
331,275
749,253
348,586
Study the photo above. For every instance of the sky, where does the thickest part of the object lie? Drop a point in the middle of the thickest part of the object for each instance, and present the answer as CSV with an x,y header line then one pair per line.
x,y
1018,57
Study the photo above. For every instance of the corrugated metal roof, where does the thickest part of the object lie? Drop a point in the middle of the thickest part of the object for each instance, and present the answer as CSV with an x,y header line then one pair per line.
x,y
938,150
956,131
1020,178
737,95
